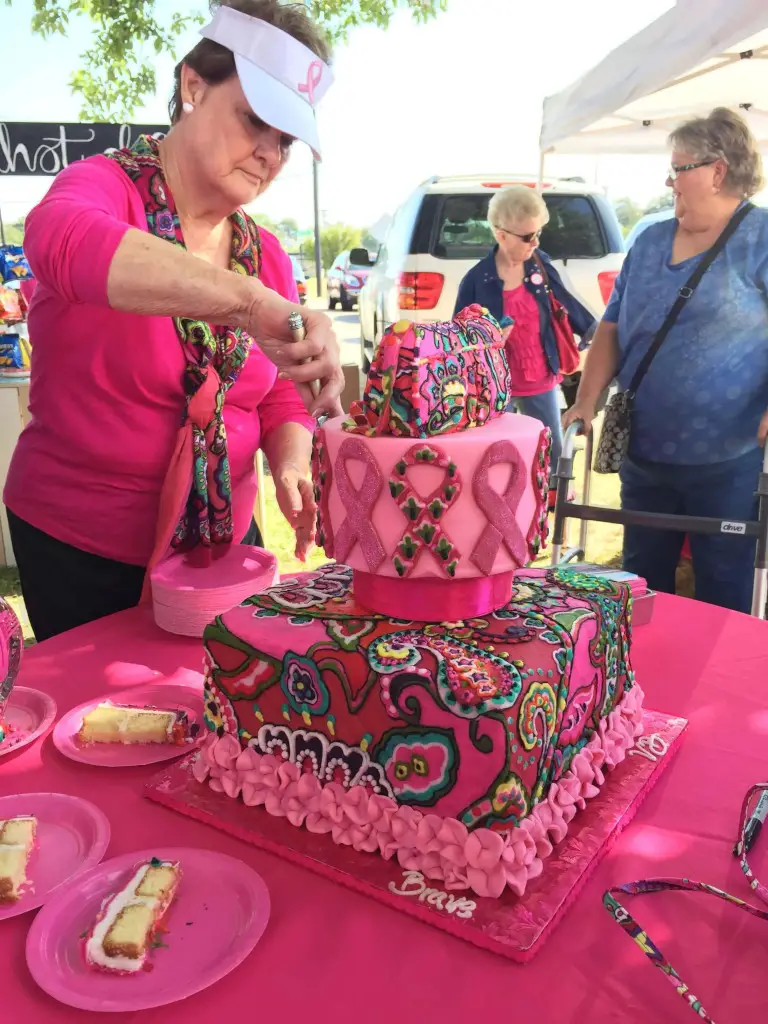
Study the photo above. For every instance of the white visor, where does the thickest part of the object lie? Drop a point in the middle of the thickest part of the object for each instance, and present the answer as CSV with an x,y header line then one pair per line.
x,y
282,79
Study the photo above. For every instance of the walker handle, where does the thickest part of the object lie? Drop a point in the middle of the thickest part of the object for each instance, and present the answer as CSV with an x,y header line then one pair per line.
x,y
574,430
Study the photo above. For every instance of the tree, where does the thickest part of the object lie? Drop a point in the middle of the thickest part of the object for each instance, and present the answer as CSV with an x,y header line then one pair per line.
x,y
628,212
334,239
664,202
288,231
307,251
117,71
370,243
14,233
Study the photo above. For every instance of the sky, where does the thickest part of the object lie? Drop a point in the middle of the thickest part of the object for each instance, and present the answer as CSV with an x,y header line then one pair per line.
x,y
460,95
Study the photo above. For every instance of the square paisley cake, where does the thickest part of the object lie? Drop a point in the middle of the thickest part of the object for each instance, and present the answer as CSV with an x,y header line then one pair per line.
x,y
462,749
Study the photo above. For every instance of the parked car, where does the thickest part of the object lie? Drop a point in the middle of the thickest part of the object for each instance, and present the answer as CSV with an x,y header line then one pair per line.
x,y
441,231
301,280
645,222
346,278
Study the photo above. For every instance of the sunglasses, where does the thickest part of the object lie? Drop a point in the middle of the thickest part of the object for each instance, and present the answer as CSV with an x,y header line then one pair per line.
x,y
532,236
677,169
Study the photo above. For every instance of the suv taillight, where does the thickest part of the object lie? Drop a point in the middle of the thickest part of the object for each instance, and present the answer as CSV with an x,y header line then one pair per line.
x,y
420,290
606,281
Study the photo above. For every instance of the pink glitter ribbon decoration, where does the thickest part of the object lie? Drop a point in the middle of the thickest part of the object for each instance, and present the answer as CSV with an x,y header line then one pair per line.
x,y
425,514
499,509
314,77
358,528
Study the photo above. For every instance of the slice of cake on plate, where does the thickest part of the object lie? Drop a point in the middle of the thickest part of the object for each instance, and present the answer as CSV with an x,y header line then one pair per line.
x,y
122,937
17,838
122,723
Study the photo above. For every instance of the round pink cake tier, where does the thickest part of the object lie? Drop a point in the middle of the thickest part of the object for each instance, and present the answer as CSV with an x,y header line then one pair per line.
x,y
457,507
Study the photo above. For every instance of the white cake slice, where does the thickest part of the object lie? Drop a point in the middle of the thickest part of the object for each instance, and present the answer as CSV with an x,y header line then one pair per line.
x,y
121,938
120,723
17,837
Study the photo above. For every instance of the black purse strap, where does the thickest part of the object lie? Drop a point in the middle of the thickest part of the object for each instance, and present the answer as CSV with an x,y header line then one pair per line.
x,y
685,294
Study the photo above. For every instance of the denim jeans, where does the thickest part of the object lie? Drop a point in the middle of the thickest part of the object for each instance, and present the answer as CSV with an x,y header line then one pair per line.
x,y
545,408
723,565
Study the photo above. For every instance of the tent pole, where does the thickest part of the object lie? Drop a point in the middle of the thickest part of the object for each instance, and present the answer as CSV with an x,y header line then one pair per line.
x,y
540,183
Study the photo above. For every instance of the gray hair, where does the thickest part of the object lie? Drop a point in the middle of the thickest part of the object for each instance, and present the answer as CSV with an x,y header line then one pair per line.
x,y
511,205
724,135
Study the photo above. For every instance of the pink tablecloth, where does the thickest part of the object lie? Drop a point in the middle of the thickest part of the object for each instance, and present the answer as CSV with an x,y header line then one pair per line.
x,y
329,954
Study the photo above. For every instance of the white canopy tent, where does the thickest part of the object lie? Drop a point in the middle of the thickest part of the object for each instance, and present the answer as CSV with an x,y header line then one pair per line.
x,y
699,55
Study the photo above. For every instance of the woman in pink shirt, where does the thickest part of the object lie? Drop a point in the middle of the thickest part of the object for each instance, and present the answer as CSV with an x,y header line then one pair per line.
x,y
160,369
514,282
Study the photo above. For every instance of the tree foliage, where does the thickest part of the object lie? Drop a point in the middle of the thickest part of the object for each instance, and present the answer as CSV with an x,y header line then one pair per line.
x,y
628,212
334,239
662,202
14,233
117,70
370,243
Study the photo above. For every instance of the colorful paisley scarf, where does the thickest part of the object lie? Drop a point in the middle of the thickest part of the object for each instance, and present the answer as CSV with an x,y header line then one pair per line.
x,y
611,902
196,504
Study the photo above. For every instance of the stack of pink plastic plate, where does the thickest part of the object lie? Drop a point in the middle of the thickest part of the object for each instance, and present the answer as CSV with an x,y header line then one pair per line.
x,y
186,597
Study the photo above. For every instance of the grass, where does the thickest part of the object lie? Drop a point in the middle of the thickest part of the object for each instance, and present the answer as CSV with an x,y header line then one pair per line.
x,y
10,589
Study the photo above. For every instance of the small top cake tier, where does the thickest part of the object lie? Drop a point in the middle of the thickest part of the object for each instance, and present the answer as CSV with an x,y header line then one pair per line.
x,y
432,379
434,528
434,517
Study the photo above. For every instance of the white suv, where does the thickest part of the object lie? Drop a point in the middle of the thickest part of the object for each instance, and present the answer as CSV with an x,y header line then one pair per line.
x,y
441,231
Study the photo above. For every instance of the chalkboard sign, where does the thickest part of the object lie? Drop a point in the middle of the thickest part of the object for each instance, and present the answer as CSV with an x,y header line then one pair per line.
x,y
29,148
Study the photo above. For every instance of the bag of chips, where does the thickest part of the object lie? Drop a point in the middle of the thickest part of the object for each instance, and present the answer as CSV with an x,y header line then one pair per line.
x,y
13,264
10,306
14,355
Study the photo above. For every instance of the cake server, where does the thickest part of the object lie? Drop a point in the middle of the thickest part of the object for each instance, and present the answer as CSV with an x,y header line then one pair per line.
x,y
299,332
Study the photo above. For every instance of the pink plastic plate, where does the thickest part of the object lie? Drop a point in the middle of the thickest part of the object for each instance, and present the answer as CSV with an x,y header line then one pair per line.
x,y
219,915
123,755
30,713
72,836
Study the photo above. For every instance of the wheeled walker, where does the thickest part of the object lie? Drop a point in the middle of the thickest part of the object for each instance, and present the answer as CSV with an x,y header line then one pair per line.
x,y
586,513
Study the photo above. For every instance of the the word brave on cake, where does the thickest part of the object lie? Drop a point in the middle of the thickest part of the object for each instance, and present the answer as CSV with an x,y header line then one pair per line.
x,y
122,937
414,884
430,481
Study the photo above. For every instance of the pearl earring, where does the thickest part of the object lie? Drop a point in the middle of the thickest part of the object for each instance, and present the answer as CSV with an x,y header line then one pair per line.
x,y
187,108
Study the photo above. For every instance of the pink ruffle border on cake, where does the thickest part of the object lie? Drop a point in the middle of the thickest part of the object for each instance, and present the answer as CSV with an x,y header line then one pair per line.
x,y
442,849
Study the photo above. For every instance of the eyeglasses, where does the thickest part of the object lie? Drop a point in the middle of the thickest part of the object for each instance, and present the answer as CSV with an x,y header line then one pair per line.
x,y
532,236
676,169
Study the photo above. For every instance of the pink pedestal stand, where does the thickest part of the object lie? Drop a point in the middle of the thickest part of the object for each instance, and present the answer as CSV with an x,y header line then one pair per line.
x,y
514,927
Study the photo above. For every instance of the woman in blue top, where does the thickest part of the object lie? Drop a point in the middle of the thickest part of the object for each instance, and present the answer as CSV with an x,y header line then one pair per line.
x,y
510,284
700,412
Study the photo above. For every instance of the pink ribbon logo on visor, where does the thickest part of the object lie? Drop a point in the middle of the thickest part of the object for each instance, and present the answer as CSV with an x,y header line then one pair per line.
x,y
314,77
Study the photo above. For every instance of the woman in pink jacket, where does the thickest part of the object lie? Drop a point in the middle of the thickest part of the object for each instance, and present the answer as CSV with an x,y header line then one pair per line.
x,y
158,363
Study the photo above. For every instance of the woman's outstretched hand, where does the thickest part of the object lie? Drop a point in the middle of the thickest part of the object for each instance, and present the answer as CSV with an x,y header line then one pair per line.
x,y
297,503
315,358
579,411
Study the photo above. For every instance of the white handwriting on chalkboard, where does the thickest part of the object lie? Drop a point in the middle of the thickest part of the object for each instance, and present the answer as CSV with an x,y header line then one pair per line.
x,y
49,157
52,153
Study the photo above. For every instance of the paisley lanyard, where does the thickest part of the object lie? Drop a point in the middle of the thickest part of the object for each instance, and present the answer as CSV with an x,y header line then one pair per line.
x,y
648,885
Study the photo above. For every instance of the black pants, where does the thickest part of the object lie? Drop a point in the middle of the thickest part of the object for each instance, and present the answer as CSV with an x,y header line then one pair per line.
x,y
64,587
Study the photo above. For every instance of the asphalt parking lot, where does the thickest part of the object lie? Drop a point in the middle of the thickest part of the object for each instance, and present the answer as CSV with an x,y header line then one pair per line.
x,y
347,327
